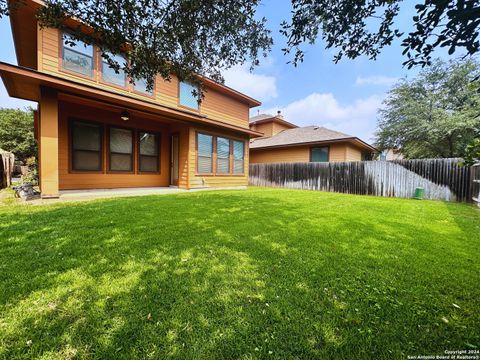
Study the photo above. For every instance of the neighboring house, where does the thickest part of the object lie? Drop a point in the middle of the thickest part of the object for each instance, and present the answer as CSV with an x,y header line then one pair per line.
x,y
390,154
286,142
95,129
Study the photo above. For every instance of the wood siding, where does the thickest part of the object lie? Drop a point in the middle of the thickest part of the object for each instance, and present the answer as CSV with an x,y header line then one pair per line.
x,y
337,153
269,128
91,180
216,105
207,181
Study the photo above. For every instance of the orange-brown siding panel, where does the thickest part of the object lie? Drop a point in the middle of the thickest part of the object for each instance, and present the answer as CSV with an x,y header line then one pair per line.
x,y
89,180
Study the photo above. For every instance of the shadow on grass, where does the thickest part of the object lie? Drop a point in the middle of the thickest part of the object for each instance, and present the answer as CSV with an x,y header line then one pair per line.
x,y
230,275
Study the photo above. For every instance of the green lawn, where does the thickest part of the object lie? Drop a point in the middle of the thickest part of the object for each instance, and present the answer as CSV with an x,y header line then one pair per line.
x,y
249,274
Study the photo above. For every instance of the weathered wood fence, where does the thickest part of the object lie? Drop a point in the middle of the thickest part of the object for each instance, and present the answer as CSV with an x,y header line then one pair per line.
x,y
441,179
7,160
476,184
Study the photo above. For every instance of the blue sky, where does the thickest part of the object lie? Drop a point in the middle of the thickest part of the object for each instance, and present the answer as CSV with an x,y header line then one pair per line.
x,y
344,96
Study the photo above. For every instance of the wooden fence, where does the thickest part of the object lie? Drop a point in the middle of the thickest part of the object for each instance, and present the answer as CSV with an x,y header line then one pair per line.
x,y
476,184
441,179
7,160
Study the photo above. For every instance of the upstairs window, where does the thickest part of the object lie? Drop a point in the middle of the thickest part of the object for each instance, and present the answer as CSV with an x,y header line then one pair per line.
x,y
319,154
186,95
86,146
238,157
148,157
205,154
141,86
121,149
77,56
109,75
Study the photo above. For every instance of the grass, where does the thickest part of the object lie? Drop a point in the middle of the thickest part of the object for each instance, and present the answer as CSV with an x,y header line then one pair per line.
x,y
239,275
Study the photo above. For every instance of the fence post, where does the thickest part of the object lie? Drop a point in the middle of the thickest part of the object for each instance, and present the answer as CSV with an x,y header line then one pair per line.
x,y
476,183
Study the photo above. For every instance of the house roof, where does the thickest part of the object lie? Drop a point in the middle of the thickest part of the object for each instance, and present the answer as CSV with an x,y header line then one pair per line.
x,y
24,29
263,118
306,135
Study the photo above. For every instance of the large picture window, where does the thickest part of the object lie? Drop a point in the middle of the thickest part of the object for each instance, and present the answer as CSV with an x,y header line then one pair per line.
x,y
77,56
319,154
238,157
121,149
227,157
187,98
109,74
148,154
86,146
205,153
223,155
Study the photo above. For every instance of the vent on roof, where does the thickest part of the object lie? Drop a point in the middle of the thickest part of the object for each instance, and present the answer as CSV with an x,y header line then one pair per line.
x,y
315,128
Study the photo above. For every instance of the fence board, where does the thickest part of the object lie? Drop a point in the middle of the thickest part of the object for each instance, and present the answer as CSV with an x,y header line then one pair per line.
x,y
442,179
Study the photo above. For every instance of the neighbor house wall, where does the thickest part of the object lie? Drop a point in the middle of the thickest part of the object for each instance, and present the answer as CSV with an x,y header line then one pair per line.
x,y
353,153
269,128
337,153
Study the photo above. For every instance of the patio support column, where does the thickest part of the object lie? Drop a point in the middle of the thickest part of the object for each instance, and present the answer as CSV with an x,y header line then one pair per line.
x,y
48,143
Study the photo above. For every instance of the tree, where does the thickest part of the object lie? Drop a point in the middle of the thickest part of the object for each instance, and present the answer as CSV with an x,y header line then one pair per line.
x,y
188,37
472,152
435,114
16,133
365,27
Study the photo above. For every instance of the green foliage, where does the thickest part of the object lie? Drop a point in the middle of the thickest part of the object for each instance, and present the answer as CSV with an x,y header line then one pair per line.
x,y
32,175
16,133
190,37
357,28
165,37
436,114
253,274
472,152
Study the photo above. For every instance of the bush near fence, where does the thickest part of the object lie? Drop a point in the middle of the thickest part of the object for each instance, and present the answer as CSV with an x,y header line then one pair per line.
x,y
442,179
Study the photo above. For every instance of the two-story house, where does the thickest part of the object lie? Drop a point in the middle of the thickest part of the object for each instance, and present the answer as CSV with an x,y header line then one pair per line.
x,y
96,129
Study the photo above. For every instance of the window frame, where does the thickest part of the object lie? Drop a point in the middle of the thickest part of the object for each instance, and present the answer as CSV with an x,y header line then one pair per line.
x,y
103,81
159,151
320,147
230,152
179,103
108,152
214,150
61,51
138,92
71,168
233,158
214,154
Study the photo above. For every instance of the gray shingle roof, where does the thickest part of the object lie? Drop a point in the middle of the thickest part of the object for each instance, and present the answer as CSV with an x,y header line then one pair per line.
x,y
307,134
260,117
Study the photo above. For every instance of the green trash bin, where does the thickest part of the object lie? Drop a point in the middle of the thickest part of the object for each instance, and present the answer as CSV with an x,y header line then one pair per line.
x,y
419,193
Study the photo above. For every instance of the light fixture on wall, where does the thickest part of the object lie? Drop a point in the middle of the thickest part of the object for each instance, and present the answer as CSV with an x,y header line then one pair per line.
x,y
125,116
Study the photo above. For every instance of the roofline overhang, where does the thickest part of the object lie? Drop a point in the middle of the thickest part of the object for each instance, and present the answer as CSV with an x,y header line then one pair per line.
x,y
36,4
352,139
25,83
274,119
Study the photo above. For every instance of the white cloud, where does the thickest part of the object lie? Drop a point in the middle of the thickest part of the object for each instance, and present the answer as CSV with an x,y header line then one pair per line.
x,y
376,80
260,87
9,102
357,118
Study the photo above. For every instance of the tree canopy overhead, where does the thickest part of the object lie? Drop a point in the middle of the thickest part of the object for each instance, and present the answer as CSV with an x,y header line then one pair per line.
x,y
436,114
188,37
